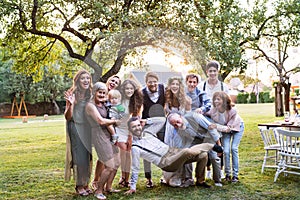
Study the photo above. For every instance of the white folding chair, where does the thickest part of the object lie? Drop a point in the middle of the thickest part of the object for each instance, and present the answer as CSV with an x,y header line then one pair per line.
x,y
289,152
270,145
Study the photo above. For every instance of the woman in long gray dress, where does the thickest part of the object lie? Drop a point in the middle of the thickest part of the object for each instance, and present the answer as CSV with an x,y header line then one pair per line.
x,y
79,155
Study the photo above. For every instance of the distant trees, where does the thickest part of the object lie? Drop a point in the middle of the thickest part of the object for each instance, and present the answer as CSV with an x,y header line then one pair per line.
x,y
274,34
99,35
50,89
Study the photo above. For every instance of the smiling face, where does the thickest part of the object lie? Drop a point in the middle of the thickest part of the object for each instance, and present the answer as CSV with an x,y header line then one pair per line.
x,y
128,90
152,84
212,73
174,87
84,81
100,96
113,83
176,121
191,84
135,128
218,103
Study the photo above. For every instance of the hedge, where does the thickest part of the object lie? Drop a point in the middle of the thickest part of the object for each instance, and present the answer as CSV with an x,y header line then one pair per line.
x,y
264,97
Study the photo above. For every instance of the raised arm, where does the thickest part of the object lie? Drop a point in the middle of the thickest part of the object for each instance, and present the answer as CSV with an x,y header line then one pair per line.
x,y
70,99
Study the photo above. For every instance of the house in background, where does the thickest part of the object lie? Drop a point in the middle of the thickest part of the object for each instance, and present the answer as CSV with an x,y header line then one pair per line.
x,y
163,72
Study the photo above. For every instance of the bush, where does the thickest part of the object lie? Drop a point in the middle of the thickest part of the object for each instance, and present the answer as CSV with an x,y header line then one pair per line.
x,y
252,97
297,91
242,98
266,97
261,98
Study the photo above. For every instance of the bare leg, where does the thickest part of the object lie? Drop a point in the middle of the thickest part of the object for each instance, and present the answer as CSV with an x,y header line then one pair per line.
x,y
106,173
110,180
98,171
113,173
104,177
127,166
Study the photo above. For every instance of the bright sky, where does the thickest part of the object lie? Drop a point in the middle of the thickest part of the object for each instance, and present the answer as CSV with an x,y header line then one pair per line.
x,y
156,56
262,69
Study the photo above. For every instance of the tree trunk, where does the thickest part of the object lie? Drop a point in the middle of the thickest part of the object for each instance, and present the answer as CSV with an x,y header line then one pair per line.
x,y
278,100
287,88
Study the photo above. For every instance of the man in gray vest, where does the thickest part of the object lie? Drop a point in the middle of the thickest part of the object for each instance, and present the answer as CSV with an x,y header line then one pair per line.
x,y
153,106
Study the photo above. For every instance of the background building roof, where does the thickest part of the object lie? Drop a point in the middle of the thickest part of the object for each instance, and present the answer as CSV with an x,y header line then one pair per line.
x,y
139,76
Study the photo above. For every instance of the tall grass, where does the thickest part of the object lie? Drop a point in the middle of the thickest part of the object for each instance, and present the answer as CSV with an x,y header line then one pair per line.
x,y
32,164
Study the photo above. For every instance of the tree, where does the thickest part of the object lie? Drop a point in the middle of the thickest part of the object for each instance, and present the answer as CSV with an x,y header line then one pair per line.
x,y
84,26
277,32
80,26
220,29
49,89
102,33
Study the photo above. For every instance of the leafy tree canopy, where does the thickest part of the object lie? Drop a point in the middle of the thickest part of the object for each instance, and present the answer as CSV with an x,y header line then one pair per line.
x,y
100,34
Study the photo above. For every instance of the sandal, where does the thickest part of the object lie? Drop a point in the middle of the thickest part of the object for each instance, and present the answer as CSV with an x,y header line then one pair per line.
x,y
94,185
149,183
88,190
100,196
82,192
123,183
110,191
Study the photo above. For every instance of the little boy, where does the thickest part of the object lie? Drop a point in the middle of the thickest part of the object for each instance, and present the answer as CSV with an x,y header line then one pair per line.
x,y
116,110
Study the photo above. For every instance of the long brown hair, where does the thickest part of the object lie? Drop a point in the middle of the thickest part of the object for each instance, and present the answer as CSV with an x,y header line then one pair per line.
x,y
76,89
175,100
136,100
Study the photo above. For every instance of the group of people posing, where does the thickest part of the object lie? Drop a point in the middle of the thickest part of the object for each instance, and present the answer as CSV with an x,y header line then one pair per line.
x,y
170,126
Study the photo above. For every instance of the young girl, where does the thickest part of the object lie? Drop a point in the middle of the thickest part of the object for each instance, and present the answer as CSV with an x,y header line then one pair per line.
x,y
132,100
232,127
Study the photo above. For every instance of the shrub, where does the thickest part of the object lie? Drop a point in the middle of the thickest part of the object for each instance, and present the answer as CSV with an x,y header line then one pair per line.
x,y
266,97
252,97
242,98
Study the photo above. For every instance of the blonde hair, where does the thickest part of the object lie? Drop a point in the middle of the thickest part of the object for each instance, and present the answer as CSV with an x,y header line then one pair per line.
x,y
114,93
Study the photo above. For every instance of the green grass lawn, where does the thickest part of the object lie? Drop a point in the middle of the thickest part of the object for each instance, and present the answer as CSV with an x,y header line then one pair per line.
x,y
32,164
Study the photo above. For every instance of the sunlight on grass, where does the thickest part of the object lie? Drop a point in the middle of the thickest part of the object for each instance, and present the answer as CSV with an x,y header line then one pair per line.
x,y
32,164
